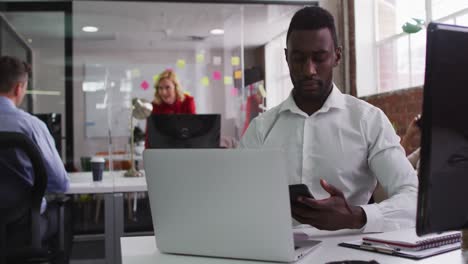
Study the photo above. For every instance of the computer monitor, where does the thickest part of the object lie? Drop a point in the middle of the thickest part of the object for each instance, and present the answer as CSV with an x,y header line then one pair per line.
x,y
184,131
443,188
53,122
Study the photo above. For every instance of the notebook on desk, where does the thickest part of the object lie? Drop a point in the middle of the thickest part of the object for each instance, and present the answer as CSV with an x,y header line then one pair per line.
x,y
405,243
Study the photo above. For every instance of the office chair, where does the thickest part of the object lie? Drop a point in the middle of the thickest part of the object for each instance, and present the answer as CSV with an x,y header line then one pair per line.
x,y
34,251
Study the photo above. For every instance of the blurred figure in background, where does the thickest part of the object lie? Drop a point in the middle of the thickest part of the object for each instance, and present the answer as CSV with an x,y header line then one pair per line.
x,y
169,98
411,141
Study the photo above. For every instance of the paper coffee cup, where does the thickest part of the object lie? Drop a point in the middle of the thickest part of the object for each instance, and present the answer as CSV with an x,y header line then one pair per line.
x,y
97,167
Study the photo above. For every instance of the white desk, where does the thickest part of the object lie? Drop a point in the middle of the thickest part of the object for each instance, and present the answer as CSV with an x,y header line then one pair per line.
x,y
142,250
82,182
121,157
112,187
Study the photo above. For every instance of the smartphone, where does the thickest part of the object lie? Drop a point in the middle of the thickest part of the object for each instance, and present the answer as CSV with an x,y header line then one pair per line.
x,y
297,190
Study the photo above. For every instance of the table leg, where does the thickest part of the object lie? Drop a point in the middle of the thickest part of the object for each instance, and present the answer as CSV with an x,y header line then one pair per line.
x,y
118,225
109,230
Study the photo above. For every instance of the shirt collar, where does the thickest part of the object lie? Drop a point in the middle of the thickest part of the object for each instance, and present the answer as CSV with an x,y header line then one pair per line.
x,y
6,103
335,100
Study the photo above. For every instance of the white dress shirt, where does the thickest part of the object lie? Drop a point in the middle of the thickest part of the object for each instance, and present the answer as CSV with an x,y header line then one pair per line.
x,y
350,144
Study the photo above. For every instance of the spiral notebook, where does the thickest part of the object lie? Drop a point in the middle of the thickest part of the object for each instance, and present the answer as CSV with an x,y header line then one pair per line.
x,y
408,240
405,243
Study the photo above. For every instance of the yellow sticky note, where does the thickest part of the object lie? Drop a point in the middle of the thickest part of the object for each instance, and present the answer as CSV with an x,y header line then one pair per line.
x,y
181,64
200,58
156,78
227,80
235,61
136,73
205,81
261,89
238,74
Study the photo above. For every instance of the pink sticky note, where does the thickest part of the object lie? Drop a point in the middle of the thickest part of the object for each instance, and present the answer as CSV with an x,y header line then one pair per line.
x,y
216,75
234,91
144,85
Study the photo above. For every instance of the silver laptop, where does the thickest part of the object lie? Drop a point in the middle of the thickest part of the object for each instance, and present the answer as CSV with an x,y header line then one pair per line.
x,y
222,203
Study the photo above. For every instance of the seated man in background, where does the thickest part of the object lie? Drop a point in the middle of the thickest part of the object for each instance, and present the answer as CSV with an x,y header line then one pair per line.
x,y
411,141
17,174
336,144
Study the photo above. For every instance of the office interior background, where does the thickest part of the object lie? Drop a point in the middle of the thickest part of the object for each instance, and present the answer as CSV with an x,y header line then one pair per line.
x,y
90,58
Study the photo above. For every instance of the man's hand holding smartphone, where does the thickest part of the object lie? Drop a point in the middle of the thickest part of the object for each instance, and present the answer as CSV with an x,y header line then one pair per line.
x,y
296,191
330,213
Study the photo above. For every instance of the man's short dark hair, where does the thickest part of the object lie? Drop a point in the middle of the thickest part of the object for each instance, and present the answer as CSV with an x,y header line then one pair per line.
x,y
12,70
313,18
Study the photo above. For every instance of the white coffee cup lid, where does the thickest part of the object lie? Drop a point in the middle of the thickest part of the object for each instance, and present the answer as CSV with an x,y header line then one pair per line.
x,y
98,159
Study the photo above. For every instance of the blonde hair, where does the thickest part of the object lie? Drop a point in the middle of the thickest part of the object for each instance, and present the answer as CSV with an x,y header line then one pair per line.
x,y
170,75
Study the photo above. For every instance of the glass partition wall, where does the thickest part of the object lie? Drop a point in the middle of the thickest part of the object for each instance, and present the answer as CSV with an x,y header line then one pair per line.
x,y
228,56
216,50
37,34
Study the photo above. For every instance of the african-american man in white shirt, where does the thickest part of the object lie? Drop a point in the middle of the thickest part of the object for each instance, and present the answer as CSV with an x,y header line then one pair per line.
x,y
336,144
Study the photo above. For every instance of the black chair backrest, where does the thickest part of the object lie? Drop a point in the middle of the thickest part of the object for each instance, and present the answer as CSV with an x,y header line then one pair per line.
x,y
19,141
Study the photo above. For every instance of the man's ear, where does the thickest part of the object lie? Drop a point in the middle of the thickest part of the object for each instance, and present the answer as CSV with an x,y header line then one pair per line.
x,y
286,54
338,54
17,88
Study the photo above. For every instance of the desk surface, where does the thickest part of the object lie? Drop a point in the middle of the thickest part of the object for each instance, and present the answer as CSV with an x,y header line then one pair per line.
x,y
142,250
121,157
82,182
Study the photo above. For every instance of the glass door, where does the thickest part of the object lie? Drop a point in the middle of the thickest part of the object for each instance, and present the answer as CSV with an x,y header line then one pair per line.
x,y
40,34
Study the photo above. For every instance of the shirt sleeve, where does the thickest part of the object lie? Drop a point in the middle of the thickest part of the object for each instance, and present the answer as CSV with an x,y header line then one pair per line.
x,y
387,161
414,157
57,181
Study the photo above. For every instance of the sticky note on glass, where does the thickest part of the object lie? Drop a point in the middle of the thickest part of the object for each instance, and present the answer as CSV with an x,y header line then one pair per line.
x,y
144,85
200,58
136,73
261,89
205,81
156,78
227,80
217,60
234,91
238,75
181,64
216,75
235,61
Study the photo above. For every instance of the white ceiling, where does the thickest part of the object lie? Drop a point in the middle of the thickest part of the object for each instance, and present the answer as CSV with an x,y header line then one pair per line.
x,y
140,26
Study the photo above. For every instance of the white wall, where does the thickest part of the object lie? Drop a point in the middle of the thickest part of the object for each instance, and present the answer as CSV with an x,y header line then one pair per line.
x,y
366,68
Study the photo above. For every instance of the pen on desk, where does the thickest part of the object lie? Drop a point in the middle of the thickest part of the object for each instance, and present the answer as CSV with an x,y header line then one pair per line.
x,y
386,246
381,250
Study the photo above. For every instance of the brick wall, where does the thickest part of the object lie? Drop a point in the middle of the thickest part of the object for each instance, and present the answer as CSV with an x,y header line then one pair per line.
x,y
400,107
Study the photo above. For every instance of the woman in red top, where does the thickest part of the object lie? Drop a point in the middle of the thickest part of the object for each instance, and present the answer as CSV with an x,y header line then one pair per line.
x,y
169,97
